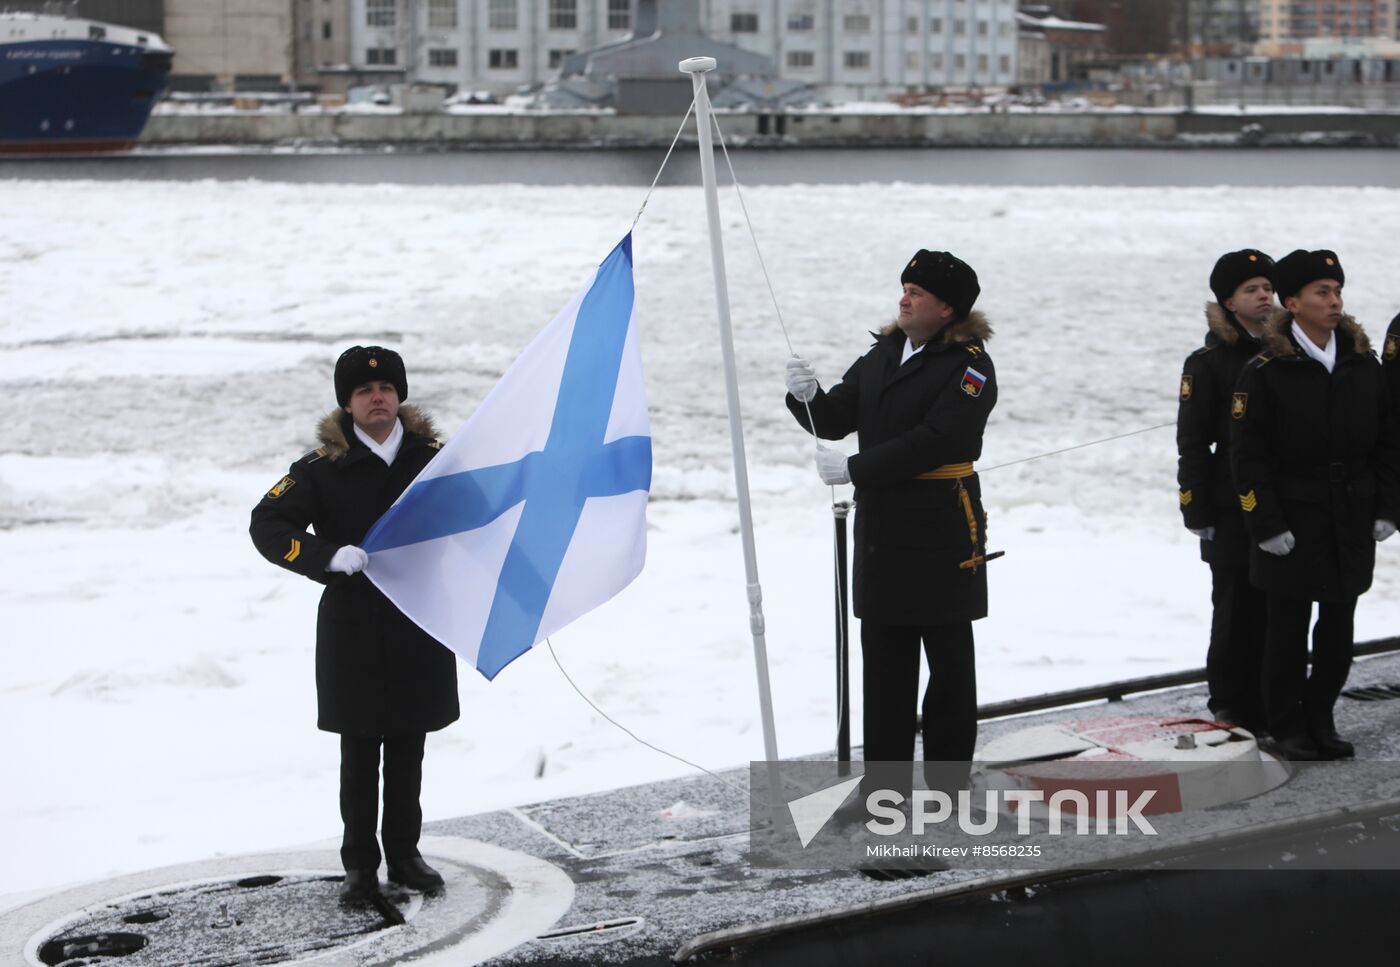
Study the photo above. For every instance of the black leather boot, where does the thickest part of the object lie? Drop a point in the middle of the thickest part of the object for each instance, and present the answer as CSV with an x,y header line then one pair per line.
x,y
415,874
360,886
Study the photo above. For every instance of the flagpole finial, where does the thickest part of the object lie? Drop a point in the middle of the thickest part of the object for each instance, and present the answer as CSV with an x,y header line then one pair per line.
x,y
698,65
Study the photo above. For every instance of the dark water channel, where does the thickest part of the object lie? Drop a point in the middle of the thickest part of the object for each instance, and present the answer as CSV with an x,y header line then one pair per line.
x,y
1147,167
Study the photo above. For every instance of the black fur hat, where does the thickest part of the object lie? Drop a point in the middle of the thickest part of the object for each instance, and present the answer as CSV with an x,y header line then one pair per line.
x,y
1233,269
1298,268
363,364
946,276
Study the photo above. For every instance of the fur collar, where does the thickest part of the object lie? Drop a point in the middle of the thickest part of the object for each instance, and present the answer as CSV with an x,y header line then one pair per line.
x,y
1276,334
1222,325
331,431
975,326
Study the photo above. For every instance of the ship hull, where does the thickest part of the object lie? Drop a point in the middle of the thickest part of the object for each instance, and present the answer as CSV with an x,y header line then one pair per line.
x,y
62,96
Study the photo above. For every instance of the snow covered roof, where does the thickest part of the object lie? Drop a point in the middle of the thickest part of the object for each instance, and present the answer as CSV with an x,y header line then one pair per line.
x,y
1055,23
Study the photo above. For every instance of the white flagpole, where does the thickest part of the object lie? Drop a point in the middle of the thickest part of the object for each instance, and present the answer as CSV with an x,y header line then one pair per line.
x,y
697,67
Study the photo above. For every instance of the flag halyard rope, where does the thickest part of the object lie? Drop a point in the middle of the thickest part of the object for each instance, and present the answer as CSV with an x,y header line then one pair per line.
x,y
684,121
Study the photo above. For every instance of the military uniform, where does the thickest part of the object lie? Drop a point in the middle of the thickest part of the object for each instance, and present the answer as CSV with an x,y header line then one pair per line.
x,y
1313,454
380,679
1207,499
1390,364
920,531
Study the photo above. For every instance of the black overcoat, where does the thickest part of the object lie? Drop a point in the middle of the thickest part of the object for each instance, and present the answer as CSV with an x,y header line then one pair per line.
x,y
377,673
1390,364
1205,491
1314,453
912,536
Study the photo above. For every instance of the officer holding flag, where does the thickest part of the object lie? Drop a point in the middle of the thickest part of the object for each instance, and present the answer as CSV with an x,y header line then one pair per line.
x,y
381,681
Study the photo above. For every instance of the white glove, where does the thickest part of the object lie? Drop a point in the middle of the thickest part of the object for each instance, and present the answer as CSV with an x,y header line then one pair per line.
x,y
1279,545
1204,533
801,379
348,560
831,466
1383,529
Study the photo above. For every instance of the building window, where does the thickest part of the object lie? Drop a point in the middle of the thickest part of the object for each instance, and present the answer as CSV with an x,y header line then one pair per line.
x,y
619,14
982,27
801,21
502,59
935,25
856,23
563,14
743,23
960,62
857,60
981,63
911,25
911,60
503,15
935,61
800,59
1004,64
442,57
556,57
442,13
381,56
380,13
325,30
959,28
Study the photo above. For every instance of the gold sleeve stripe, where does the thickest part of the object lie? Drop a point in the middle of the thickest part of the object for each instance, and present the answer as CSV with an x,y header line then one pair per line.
x,y
294,553
1249,501
1185,497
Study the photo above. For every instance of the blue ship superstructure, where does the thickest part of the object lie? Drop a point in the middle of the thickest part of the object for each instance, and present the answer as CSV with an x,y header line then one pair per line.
x,y
68,84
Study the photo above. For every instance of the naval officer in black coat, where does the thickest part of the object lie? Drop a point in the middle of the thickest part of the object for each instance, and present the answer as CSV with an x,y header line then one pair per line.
x,y
918,403
1244,301
1317,474
381,681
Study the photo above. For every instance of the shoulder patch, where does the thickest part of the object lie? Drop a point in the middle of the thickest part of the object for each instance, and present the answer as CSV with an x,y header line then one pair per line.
x,y
311,456
1262,359
972,350
1202,351
973,382
1187,382
281,487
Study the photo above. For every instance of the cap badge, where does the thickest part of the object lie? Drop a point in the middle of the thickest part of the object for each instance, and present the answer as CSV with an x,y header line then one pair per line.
x,y
1330,262
373,363
1254,258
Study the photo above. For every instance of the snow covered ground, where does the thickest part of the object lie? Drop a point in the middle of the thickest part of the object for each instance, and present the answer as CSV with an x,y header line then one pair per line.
x,y
167,350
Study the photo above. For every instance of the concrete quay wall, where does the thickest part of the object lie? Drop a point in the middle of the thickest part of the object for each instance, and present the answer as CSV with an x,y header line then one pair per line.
x,y
1094,129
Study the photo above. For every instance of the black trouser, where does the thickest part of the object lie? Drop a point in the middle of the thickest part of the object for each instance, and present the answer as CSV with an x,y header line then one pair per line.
x,y
891,672
1297,701
359,798
1235,660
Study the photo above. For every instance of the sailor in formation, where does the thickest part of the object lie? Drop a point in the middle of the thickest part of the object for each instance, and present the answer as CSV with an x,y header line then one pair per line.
x,y
1317,473
1244,301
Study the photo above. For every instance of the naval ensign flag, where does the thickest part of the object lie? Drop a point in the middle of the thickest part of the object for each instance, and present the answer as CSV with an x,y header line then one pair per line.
x,y
534,513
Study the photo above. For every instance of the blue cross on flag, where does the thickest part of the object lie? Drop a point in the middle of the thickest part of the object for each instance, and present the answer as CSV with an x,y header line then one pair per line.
x,y
534,513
